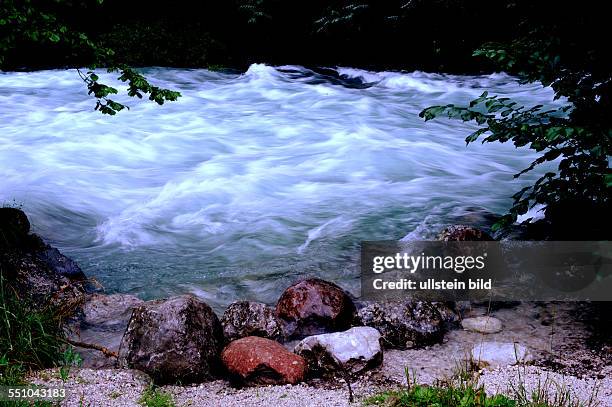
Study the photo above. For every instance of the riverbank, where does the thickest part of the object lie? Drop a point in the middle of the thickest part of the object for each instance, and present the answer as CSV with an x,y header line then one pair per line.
x,y
429,343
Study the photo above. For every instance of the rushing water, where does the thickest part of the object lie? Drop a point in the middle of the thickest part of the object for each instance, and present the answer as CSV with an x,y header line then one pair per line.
x,y
249,180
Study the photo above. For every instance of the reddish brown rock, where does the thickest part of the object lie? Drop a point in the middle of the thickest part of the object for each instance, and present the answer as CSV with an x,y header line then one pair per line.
x,y
260,361
314,306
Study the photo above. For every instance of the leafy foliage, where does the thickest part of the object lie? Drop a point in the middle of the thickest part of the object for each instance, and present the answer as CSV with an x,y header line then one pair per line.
x,y
146,43
254,10
137,86
577,136
38,22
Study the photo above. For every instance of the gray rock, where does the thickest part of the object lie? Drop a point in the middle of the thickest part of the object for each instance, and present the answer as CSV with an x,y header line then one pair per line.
x,y
485,325
352,351
103,321
109,310
404,324
246,318
173,340
499,354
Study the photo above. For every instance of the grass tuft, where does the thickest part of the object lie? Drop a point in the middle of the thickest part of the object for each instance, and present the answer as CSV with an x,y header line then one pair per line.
x,y
463,390
154,397
29,338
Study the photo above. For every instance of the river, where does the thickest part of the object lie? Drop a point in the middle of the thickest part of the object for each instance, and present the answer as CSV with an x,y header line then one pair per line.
x,y
250,180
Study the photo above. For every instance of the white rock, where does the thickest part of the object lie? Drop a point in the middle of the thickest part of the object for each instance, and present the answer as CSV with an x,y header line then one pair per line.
x,y
354,350
485,325
498,354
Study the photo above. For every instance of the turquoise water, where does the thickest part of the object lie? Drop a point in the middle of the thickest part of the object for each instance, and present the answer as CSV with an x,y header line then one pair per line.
x,y
249,180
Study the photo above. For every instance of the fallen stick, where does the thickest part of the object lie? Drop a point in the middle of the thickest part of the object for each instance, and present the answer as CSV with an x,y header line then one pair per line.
x,y
108,353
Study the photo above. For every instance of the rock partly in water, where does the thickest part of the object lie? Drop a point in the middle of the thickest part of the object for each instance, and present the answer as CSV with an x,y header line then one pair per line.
x,y
499,354
109,310
27,267
246,318
350,352
463,233
255,361
404,324
61,264
173,340
102,321
314,306
484,325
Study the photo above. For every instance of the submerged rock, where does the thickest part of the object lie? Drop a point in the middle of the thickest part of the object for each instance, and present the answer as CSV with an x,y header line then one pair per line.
x,y
404,324
485,325
349,352
463,233
172,340
260,361
314,306
499,354
246,318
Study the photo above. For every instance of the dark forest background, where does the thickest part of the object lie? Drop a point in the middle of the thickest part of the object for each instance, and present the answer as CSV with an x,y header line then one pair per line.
x,y
431,35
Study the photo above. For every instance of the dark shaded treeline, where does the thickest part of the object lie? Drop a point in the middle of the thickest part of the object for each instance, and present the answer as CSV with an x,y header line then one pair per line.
x,y
431,35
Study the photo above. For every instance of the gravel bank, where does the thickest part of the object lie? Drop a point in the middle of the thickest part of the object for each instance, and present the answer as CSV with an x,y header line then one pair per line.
x,y
590,391
114,388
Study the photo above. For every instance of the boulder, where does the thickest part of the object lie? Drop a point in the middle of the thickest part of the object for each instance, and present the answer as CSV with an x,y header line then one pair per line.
x,y
259,361
499,354
463,233
174,340
42,286
404,324
314,306
14,226
350,352
484,325
27,271
246,318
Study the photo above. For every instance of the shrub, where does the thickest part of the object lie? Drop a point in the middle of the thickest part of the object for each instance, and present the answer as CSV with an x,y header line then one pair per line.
x,y
577,136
